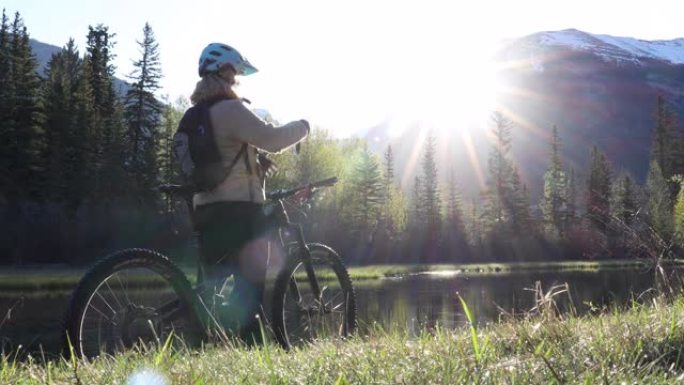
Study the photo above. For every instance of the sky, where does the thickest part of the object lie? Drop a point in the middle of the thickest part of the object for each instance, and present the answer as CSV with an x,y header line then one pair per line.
x,y
345,65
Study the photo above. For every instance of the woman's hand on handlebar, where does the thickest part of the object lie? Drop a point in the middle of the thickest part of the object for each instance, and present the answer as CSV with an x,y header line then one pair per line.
x,y
301,196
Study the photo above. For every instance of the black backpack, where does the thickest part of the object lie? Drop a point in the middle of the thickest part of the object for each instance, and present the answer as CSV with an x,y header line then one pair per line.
x,y
196,153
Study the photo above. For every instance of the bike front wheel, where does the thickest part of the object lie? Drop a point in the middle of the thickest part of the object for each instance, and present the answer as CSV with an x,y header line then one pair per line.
x,y
135,297
299,316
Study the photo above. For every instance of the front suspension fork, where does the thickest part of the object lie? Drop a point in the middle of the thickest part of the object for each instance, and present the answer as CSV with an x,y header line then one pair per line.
x,y
308,263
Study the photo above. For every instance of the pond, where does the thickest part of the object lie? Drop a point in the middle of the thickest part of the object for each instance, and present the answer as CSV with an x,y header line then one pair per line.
x,y
413,302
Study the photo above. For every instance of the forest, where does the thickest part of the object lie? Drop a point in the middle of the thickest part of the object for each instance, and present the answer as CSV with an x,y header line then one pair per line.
x,y
80,162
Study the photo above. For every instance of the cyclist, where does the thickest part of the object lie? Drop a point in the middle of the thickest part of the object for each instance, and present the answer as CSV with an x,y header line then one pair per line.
x,y
229,218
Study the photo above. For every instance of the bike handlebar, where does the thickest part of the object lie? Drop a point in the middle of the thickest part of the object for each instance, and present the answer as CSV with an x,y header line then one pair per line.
x,y
281,194
324,182
185,190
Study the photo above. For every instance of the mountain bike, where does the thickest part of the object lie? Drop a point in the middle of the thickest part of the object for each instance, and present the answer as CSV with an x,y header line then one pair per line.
x,y
139,297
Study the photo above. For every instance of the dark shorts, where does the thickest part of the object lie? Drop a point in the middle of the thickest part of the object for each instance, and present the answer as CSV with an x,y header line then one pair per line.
x,y
225,228
231,240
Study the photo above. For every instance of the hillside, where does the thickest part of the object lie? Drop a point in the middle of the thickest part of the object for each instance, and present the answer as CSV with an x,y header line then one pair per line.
x,y
597,89
44,53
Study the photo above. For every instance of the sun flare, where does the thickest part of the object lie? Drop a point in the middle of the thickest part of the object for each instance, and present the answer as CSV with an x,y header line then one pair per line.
x,y
452,100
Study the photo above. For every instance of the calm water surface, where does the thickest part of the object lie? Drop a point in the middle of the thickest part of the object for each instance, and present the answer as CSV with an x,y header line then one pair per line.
x,y
413,302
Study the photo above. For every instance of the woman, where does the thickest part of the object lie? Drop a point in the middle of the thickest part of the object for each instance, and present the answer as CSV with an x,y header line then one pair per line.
x,y
230,218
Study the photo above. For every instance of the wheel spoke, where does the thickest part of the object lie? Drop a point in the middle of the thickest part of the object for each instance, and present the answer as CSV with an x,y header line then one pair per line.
x,y
106,303
113,294
331,314
130,305
102,314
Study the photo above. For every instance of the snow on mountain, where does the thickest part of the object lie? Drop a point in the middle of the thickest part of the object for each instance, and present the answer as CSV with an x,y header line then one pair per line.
x,y
598,90
620,49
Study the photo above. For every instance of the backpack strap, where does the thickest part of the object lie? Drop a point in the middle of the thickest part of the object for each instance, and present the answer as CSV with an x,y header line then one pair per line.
x,y
243,148
249,171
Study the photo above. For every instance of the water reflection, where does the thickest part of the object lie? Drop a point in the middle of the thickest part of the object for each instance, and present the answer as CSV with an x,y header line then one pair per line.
x,y
423,301
414,303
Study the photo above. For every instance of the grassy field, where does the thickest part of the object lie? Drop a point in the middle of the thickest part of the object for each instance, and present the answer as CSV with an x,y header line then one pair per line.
x,y
640,345
47,279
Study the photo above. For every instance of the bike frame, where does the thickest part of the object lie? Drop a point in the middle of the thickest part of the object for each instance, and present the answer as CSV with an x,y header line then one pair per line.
x,y
279,218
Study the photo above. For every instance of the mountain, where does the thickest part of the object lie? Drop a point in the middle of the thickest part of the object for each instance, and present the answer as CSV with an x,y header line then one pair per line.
x,y
44,52
597,89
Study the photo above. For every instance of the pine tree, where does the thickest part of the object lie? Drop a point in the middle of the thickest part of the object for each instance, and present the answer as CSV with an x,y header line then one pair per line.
x,y
7,126
368,191
106,126
391,194
87,125
517,203
500,169
455,231
389,181
624,201
554,200
431,201
570,213
454,205
598,190
663,140
173,112
63,140
417,220
171,116
26,110
679,213
100,43
659,203
473,224
143,114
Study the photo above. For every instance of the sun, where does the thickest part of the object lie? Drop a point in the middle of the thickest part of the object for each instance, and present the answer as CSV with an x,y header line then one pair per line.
x,y
451,100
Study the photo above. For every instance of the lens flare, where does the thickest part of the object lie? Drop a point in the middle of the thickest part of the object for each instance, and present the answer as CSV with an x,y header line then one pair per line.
x,y
147,377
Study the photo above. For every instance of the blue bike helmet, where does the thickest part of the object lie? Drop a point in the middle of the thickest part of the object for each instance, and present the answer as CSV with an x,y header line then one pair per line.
x,y
217,55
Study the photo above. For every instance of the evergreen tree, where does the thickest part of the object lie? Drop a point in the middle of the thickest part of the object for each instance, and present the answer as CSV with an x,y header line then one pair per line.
x,y
100,43
389,182
7,126
598,190
107,128
454,205
679,213
624,201
498,191
26,112
63,142
143,114
517,204
663,140
455,231
473,224
431,201
368,190
659,203
87,126
571,196
171,116
394,213
554,200
417,220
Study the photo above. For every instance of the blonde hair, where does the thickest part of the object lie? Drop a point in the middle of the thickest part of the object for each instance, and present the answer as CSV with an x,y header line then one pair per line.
x,y
217,85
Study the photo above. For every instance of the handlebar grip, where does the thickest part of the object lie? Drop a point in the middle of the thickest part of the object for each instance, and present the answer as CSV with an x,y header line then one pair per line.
x,y
325,182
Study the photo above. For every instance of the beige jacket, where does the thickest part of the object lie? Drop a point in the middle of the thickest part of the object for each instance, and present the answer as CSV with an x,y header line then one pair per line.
x,y
233,125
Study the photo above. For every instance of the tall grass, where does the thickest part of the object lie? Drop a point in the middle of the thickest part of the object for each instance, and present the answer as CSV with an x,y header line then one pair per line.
x,y
643,344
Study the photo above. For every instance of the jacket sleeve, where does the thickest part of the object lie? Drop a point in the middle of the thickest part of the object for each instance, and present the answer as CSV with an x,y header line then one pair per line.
x,y
244,125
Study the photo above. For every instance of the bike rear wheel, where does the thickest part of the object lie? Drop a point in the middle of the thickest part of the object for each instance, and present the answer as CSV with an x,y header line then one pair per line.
x,y
132,298
298,316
